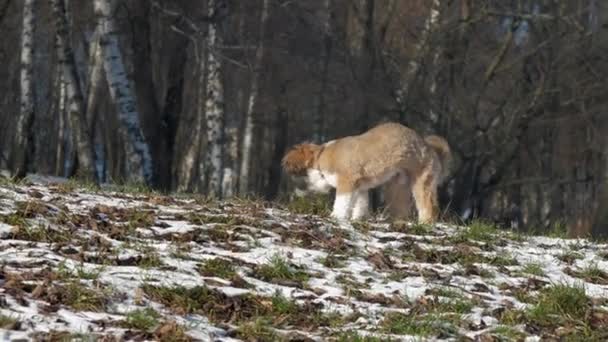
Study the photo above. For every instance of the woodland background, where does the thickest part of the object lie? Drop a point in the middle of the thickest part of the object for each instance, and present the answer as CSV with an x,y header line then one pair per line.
x,y
206,96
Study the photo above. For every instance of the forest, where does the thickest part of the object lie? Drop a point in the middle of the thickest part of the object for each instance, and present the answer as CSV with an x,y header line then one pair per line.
x,y
206,96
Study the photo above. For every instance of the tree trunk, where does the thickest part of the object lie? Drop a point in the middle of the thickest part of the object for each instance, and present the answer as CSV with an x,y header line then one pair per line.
x,y
244,179
186,167
418,53
26,116
139,161
318,129
75,105
214,106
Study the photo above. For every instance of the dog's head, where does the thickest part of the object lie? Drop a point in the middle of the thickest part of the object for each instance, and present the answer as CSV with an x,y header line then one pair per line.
x,y
299,159
444,153
298,163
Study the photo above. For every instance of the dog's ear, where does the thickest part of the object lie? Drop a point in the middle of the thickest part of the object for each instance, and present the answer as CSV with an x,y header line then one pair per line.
x,y
299,159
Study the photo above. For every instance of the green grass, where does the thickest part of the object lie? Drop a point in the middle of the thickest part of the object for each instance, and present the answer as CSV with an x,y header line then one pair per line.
x,y
282,305
503,259
332,261
353,336
180,298
217,267
559,303
142,319
419,325
569,256
258,330
79,272
533,268
316,204
557,230
594,274
8,322
81,297
277,310
476,231
278,269
509,333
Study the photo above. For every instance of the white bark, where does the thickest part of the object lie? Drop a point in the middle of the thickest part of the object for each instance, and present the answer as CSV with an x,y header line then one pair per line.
x,y
187,164
26,115
245,171
214,108
139,160
430,25
95,75
75,105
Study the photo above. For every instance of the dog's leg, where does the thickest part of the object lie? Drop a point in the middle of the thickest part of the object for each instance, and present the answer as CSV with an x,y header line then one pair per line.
x,y
361,205
398,196
343,204
425,194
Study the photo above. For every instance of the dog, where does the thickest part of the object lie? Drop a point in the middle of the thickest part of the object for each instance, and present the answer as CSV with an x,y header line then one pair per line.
x,y
389,154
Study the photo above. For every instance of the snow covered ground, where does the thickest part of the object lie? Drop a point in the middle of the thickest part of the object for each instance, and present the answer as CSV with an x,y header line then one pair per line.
x,y
78,263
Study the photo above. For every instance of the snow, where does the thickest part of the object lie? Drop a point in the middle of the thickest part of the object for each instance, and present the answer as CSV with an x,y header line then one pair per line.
x,y
370,259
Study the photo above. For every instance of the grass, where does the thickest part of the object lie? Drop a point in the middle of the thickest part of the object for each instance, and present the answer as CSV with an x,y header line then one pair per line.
x,y
569,256
559,303
433,316
594,274
591,273
332,261
258,330
533,268
182,299
277,310
509,333
14,219
79,296
503,259
217,267
278,269
230,220
353,336
79,272
419,325
476,231
314,204
411,228
142,319
8,322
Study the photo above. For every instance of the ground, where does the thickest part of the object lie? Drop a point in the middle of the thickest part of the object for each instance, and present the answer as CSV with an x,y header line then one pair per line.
x,y
83,263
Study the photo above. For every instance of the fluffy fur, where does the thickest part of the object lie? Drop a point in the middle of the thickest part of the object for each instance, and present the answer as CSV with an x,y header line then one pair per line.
x,y
389,154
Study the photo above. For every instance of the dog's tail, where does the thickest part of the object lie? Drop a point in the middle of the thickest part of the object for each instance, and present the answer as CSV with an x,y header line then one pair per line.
x,y
442,148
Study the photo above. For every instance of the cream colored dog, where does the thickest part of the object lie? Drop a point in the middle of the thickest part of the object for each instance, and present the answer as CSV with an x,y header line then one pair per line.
x,y
389,154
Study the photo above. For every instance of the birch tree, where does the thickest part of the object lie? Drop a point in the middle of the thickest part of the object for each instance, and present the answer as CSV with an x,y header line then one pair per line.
x,y
248,132
26,115
214,104
139,160
420,48
75,105
185,169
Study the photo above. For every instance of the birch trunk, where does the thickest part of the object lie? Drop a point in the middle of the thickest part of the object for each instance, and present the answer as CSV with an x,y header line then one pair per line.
x,y
75,105
245,172
94,94
26,115
420,47
214,107
187,165
139,160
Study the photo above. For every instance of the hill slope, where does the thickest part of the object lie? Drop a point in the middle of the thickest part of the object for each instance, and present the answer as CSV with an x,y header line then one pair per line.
x,y
77,263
